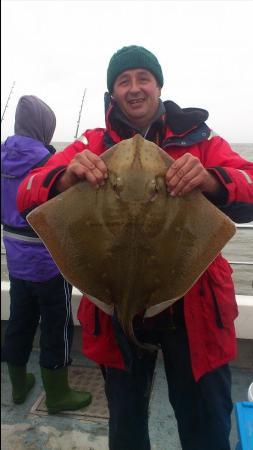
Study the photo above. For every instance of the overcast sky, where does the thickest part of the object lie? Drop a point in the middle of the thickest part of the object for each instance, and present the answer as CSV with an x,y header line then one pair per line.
x,y
56,49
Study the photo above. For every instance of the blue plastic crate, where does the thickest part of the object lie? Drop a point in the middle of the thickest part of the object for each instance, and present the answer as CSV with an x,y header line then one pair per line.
x,y
244,420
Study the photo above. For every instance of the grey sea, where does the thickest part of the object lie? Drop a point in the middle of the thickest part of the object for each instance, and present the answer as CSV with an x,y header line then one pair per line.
x,y
239,250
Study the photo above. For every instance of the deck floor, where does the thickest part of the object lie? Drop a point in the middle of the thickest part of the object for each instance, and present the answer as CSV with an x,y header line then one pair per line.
x,y
24,428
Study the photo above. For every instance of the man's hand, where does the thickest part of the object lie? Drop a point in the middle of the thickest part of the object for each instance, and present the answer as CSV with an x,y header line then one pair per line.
x,y
84,166
186,174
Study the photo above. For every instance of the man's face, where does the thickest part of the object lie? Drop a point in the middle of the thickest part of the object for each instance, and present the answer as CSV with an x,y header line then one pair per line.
x,y
137,94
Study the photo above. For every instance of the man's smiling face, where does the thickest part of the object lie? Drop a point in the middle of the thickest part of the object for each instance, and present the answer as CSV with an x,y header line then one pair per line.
x,y
137,93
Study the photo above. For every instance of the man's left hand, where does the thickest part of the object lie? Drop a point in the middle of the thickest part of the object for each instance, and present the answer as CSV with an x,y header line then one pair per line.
x,y
186,174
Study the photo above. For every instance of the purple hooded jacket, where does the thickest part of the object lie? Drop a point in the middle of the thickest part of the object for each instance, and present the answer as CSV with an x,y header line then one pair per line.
x,y
27,257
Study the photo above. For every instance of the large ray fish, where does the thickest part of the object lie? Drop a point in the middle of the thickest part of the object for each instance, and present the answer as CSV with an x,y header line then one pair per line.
x,y
129,245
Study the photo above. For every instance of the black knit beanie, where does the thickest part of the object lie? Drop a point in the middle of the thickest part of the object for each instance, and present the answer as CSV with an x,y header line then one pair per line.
x,y
133,57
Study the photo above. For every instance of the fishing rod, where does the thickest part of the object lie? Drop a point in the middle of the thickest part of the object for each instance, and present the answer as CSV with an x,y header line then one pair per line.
x,y
80,112
6,106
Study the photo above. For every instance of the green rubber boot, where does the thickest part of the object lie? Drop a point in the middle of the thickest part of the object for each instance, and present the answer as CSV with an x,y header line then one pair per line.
x,y
21,381
59,396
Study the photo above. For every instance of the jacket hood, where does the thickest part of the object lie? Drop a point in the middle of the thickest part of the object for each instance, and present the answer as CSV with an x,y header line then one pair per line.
x,y
34,119
182,120
19,154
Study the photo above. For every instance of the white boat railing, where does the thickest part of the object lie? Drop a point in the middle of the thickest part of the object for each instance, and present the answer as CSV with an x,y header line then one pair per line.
x,y
243,263
244,225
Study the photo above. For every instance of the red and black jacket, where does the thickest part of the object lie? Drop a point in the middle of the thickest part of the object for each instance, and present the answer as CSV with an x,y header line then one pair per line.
x,y
209,306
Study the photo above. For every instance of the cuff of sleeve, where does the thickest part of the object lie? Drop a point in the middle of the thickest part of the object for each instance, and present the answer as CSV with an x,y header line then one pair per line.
x,y
221,198
48,185
53,190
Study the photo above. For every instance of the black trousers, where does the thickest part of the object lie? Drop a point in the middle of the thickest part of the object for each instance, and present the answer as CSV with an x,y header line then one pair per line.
x,y
47,302
202,409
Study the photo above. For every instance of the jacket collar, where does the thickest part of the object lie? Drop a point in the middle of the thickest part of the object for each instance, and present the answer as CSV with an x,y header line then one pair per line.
x,y
170,124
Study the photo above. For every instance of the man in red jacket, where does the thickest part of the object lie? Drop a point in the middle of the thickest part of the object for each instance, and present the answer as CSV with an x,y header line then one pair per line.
x,y
196,334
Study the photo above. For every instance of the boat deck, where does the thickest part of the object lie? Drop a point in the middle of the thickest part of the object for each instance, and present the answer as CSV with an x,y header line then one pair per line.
x,y
28,426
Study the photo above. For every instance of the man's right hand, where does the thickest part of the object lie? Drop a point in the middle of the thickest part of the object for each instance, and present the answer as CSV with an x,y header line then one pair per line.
x,y
84,166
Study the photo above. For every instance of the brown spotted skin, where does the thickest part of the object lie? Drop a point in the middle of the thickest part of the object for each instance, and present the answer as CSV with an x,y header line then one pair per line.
x,y
130,244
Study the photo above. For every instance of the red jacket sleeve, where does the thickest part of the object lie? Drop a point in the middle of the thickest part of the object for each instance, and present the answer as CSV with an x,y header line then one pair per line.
x,y
236,175
35,188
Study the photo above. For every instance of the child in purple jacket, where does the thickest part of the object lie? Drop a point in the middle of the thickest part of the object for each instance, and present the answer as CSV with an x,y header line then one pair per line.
x,y
38,292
